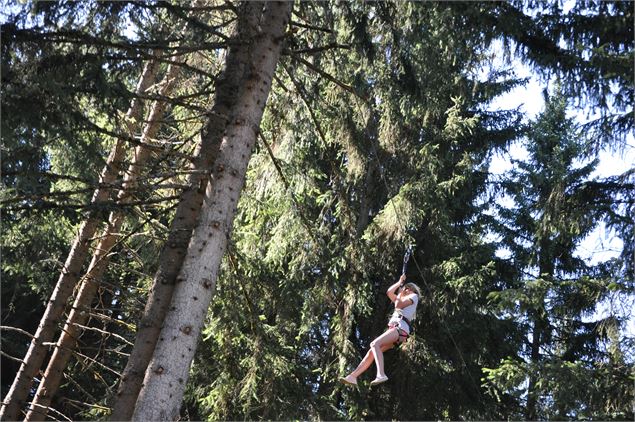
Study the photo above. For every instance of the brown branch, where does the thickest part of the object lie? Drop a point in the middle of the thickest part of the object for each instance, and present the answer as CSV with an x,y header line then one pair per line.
x,y
108,333
179,6
102,205
179,11
315,50
64,194
307,26
167,59
82,38
19,330
6,355
48,409
79,387
330,77
51,175
114,320
89,405
303,97
81,355
305,222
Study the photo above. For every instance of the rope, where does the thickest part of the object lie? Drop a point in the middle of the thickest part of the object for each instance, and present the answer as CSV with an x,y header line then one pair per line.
x,y
409,249
407,257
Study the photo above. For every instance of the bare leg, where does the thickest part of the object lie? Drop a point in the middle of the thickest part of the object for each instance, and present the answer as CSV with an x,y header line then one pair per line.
x,y
367,361
388,338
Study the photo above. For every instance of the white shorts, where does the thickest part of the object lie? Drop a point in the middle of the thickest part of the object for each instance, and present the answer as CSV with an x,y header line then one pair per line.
x,y
400,323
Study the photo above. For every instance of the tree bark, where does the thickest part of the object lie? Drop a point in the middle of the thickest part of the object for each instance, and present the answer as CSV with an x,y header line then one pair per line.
x,y
164,382
546,268
69,276
186,214
532,399
91,281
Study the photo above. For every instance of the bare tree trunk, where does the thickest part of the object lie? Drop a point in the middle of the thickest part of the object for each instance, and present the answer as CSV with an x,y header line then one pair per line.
x,y
91,281
532,396
541,325
186,214
164,383
70,274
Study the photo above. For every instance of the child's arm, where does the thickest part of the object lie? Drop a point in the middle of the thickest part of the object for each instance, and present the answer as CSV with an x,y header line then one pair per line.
x,y
392,290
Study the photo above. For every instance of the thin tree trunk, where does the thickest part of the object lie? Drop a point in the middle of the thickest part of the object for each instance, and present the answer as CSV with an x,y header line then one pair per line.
x,y
91,281
186,215
546,268
164,383
532,399
70,274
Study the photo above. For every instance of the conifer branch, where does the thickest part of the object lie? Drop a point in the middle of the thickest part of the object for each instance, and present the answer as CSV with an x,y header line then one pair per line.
x,y
8,356
19,330
315,50
287,186
330,77
74,36
35,408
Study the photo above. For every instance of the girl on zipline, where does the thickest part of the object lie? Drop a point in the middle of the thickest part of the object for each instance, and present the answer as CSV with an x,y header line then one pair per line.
x,y
405,297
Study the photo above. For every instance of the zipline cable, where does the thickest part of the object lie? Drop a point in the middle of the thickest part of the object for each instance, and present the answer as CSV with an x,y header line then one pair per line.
x,y
407,257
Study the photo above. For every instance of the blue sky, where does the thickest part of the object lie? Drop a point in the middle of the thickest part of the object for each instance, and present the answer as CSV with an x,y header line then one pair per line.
x,y
602,244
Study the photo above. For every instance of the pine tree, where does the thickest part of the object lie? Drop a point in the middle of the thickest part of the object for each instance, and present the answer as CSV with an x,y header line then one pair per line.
x,y
91,281
554,289
314,294
164,382
77,72
186,215
377,133
70,274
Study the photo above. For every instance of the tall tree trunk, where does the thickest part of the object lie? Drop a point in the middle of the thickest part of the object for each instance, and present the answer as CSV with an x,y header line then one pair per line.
x,y
164,383
70,274
546,269
532,399
91,281
186,214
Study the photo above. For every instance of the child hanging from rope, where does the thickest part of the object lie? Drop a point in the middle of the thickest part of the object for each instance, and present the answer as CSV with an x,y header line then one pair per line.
x,y
405,297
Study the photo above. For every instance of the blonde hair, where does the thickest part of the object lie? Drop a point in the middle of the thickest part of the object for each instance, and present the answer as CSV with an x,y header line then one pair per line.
x,y
413,287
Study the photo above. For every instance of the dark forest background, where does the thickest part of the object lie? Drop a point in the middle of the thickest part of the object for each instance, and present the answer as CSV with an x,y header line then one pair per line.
x,y
378,133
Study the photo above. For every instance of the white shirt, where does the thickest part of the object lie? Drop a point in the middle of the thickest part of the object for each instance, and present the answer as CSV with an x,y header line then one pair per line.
x,y
408,312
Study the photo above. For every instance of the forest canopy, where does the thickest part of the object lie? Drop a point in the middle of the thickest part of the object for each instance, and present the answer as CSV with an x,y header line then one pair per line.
x,y
203,204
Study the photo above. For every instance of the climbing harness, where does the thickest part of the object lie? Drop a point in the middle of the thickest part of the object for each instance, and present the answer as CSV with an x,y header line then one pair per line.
x,y
403,335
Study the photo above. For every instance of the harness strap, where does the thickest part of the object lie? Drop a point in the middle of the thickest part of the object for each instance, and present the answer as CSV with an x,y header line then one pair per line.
x,y
407,322
400,332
